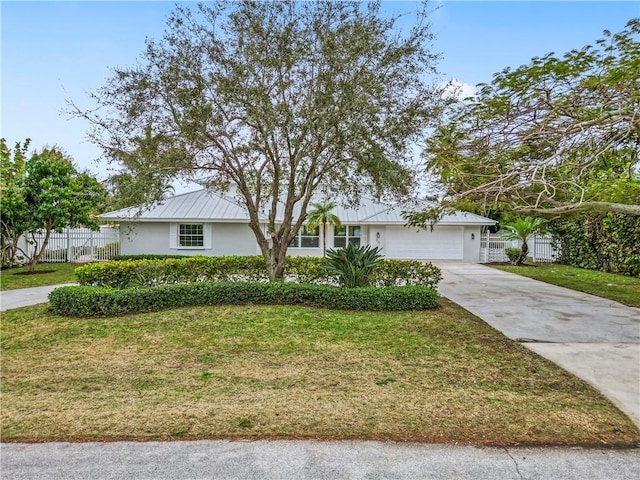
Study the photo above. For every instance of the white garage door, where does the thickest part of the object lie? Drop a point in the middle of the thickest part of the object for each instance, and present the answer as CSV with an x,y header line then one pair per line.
x,y
443,243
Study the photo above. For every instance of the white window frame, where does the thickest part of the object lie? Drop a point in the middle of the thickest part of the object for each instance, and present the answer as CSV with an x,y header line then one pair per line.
x,y
302,234
174,240
347,235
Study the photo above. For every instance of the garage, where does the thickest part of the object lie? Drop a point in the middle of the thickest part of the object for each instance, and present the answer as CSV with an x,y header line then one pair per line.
x,y
443,243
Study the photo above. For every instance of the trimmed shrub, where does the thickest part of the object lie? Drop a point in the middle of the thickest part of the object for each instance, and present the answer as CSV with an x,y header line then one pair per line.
x,y
513,253
147,256
88,301
407,272
608,242
147,273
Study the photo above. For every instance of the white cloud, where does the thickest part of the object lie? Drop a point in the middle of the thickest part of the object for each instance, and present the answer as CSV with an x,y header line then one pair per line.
x,y
455,89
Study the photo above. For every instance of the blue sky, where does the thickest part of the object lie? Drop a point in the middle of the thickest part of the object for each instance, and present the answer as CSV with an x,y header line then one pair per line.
x,y
52,51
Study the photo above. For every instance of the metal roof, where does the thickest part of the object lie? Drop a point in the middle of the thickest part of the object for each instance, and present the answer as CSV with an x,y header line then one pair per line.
x,y
204,205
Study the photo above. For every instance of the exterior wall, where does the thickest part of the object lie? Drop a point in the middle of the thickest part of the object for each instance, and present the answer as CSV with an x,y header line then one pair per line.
x,y
152,237
370,236
233,239
305,252
471,245
238,239
139,238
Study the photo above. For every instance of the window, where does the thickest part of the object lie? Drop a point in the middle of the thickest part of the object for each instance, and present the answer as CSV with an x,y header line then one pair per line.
x,y
346,234
307,238
190,235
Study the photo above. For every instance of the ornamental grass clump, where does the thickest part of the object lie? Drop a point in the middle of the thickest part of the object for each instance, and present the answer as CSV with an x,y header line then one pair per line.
x,y
355,266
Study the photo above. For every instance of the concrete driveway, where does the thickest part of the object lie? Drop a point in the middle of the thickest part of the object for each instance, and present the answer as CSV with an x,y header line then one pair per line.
x,y
594,338
26,296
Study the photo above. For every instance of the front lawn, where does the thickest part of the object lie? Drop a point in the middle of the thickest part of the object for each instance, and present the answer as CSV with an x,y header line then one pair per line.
x,y
620,288
290,372
14,278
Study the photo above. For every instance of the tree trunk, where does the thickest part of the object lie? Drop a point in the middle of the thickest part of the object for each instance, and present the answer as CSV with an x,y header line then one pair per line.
x,y
324,238
275,261
523,254
275,264
603,207
38,254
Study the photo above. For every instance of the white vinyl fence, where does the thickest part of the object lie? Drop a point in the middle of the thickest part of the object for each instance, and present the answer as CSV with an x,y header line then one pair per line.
x,y
77,245
492,247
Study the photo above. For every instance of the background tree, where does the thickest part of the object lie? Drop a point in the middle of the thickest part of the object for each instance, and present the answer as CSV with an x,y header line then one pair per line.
x,y
556,136
521,229
277,99
55,196
11,198
321,216
145,171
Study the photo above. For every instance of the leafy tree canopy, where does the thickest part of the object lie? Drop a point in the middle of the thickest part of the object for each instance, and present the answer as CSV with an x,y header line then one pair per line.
x,y
11,199
278,99
558,135
53,195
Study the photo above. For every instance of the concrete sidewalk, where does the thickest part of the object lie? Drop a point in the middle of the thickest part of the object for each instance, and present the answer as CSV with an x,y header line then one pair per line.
x,y
594,338
24,297
299,460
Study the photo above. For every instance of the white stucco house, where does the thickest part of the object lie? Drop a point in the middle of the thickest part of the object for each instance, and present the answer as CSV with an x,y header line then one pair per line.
x,y
208,223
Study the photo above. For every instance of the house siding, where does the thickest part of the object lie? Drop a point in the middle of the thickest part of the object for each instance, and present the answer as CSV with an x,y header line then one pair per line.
x,y
155,237
471,245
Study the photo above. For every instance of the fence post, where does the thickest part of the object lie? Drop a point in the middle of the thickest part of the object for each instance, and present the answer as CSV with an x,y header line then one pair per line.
x,y
69,245
91,245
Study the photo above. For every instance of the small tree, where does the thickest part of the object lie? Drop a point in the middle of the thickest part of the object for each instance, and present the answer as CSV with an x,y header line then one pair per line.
x,y
11,198
55,196
521,230
321,216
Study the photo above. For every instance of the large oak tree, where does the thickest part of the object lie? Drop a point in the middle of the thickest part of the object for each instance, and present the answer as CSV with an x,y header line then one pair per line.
x,y
559,135
278,100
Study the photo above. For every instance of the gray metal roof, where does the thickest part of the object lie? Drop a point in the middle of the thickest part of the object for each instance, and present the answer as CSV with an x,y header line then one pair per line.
x,y
201,205
204,205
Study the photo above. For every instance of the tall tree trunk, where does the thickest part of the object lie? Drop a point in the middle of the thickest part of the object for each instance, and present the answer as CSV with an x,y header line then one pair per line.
x,y
324,237
523,254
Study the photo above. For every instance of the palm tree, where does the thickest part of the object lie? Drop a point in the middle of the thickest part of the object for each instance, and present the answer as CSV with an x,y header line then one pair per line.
x,y
521,230
321,215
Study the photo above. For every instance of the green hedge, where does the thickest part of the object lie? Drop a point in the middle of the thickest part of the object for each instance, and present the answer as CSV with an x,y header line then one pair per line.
x,y
147,256
87,301
148,272
608,242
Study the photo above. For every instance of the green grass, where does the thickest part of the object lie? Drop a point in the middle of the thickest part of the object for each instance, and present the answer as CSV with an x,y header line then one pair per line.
x,y
441,376
621,288
62,273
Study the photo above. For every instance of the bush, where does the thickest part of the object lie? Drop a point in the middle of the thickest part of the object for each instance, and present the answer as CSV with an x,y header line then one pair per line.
x,y
146,256
608,242
147,272
87,301
513,253
354,265
407,272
